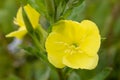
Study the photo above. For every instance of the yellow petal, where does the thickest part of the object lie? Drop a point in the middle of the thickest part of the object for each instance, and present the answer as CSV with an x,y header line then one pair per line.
x,y
69,29
56,59
72,30
56,43
91,42
82,61
33,15
55,46
19,18
18,34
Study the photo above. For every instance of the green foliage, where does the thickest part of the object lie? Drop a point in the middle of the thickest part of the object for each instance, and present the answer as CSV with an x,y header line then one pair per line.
x,y
13,77
79,9
74,76
102,75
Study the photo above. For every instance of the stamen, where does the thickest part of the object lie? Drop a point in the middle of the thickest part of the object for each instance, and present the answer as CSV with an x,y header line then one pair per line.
x,y
72,48
74,44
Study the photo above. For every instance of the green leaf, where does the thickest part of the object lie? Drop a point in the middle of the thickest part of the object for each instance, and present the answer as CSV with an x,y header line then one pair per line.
x,y
60,9
50,10
54,75
29,49
13,77
42,35
57,2
73,7
60,6
35,70
22,2
74,76
27,22
42,71
102,75
73,3
76,12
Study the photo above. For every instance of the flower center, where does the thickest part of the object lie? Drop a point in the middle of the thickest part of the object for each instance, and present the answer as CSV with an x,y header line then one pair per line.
x,y
75,44
73,48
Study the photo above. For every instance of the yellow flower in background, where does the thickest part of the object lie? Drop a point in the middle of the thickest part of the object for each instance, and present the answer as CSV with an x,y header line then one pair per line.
x,y
33,16
73,44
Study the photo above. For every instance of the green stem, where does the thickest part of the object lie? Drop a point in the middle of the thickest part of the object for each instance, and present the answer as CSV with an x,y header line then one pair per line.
x,y
41,53
50,5
61,75
37,43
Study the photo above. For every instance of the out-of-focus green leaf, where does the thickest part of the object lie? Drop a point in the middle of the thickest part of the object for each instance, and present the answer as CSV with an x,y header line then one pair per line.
x,y
57,2
99,14
29,49
54,75
35,70
102,75
73,9
42,72
60,8
117,31
7,13
74,76
72,3
13,77
76,12
50,7
23,2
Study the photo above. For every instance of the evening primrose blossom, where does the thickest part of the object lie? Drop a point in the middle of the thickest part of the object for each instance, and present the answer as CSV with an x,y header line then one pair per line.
x,y
74,44
33,16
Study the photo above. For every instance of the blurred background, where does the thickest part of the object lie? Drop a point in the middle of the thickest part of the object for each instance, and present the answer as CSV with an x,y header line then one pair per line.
x,y
17,64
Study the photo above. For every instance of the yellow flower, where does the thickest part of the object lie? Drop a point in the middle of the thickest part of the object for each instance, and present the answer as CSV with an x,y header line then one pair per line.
x,y
33,16
73,44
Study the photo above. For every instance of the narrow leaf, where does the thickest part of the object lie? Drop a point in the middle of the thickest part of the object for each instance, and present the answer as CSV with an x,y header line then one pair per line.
x,y
27,22
76,11
73,8
102,75
50,10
